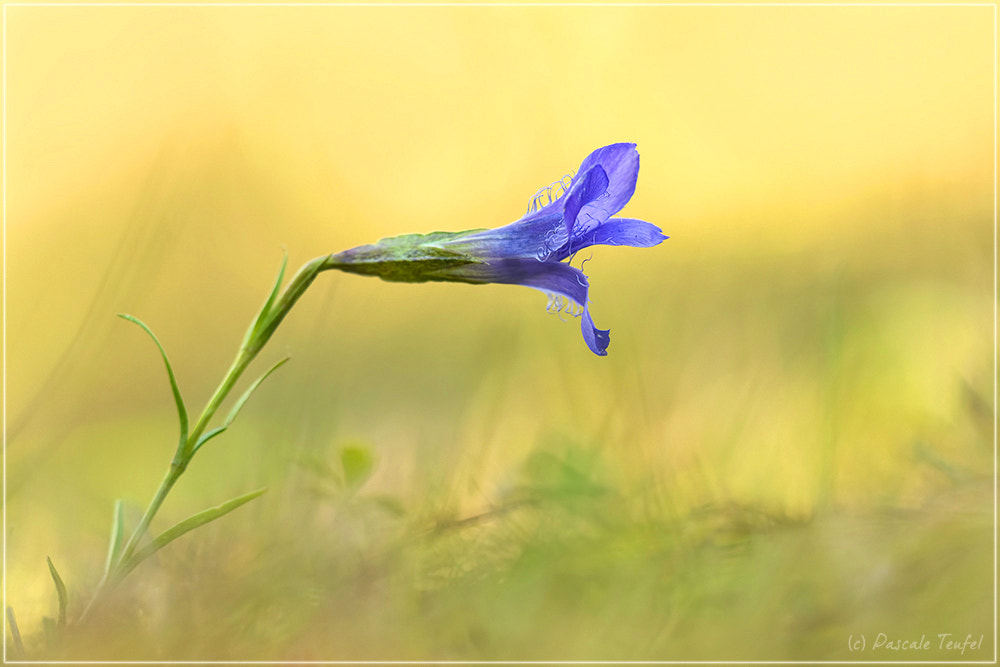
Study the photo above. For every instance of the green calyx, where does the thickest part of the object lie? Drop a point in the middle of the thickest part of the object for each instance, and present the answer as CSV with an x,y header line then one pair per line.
x,y
411,258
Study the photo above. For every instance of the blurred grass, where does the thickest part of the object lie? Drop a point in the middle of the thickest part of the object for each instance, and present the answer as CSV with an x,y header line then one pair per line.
x,y
790,442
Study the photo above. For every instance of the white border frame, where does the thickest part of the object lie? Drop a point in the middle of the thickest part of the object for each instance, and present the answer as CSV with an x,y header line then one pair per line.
x,y
497,4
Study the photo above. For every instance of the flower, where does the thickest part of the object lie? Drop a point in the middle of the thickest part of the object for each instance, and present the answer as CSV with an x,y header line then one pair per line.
x,y
532,250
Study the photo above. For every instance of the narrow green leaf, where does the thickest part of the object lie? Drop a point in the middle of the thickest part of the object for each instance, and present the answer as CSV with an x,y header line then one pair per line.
x,y
249,392
15,633
117,536
218,430
181,410
231,417
265,311
186,526
60,591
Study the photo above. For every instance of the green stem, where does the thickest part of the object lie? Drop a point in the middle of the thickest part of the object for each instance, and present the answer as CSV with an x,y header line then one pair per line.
x,y
113,576
296,288
239,365
186,449
173,474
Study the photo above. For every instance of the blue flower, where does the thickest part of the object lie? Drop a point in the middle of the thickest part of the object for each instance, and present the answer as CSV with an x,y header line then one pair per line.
x,y
532,250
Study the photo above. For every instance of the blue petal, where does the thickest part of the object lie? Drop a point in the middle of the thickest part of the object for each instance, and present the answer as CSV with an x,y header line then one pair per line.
x,y
616,231
597,339
535,236
603,185
584,190
554,277
625,231
550,277
621,164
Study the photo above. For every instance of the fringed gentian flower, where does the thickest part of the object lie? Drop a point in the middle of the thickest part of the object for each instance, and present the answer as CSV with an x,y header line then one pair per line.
x,y
531,251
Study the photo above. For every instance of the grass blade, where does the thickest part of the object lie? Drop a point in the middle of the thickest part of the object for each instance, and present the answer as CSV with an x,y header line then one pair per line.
x,y
186,526
60,591
117,536
15,633
181,410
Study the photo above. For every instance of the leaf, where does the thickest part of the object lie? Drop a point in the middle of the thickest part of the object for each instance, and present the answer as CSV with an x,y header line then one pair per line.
x,y
15,633
117,536
237,407
358,463
60,591
208,435
186,526
265,310
181,411
250,390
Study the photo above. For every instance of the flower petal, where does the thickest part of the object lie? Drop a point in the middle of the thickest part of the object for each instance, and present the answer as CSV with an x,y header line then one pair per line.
x,y
550,277
535,236
585,189
621,164
603,185
554,277
616,231
597,339
625,231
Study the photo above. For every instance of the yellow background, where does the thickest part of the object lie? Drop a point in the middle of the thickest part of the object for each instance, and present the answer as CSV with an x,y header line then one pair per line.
x,y
815,338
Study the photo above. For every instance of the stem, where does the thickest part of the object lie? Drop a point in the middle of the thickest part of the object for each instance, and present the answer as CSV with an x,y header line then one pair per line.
x,y
185,451
173,474
239,365
296,288
112,576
